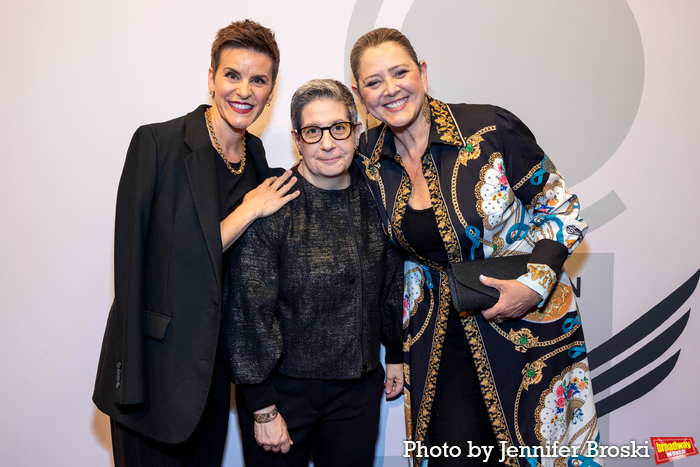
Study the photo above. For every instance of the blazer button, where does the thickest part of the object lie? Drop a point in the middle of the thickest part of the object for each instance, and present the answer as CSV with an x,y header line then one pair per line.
x,y
119,364
352,280
118,384
119,371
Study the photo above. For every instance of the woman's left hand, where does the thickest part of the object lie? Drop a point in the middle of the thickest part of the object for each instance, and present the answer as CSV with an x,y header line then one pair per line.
x,y
273,435
516,298
393,383
262,201
271,195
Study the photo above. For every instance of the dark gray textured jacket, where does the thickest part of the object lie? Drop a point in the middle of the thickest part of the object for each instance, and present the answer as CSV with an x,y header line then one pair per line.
x,y
310,291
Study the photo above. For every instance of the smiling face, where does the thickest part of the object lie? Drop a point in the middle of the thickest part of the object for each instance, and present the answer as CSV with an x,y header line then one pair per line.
x,y
325,164
392,87
242,86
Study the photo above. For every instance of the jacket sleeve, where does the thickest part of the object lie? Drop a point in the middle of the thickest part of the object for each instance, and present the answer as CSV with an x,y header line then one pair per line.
x,y
251,338
135,198
551,221
392,306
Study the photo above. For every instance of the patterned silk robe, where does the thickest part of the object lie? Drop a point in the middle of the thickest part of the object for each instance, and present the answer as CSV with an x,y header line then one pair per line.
x,y
494,193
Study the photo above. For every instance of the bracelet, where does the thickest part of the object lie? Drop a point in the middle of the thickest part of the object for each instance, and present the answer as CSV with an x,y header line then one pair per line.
x,y
265,417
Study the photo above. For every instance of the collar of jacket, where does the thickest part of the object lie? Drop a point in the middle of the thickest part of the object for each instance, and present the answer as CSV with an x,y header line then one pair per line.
x,y
197,137
443,130
201,173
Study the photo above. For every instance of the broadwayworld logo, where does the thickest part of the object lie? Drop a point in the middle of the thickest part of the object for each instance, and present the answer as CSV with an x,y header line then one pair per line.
x,y
670,449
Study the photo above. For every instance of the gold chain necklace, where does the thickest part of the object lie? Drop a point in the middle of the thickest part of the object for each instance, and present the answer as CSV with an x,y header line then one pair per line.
x,y
207,114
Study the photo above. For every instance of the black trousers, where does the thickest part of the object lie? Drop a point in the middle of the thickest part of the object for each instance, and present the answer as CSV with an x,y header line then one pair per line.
x,y
459,414
204,448
336,420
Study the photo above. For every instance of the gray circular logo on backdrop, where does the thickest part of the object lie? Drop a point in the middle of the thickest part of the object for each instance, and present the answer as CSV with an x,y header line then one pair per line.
x,y
572,71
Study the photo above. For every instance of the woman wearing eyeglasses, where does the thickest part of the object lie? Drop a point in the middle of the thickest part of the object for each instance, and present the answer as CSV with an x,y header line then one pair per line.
x,y
310,293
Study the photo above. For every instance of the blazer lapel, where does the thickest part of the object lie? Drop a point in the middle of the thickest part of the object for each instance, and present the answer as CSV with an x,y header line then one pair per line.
x,y
201,175
255,151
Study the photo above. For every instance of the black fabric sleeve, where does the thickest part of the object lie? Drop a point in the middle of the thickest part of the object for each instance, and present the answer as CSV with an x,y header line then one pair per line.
x,y
551,253
392,306
258,396
394,353
251,339
135,196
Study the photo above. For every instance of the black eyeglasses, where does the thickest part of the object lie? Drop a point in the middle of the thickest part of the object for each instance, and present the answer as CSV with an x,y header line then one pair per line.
x,y
339,131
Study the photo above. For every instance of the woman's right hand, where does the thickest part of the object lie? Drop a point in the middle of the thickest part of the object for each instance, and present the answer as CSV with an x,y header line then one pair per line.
x,y
273,436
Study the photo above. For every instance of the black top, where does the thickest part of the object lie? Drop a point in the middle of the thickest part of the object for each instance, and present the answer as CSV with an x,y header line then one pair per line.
x,y
420,230
232,189
310,292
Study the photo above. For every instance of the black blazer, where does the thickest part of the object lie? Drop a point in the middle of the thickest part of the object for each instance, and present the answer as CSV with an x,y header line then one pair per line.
x,y
161,340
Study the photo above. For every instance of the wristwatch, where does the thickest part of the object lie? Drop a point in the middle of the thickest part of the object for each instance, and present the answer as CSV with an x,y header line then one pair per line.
x,y
266,417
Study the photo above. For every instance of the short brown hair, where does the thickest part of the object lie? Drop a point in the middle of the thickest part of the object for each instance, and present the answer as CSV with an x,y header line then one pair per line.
x,y
248,35
375,38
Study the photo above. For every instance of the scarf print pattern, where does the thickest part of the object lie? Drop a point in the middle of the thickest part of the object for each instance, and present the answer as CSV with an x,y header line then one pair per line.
x,y
510,206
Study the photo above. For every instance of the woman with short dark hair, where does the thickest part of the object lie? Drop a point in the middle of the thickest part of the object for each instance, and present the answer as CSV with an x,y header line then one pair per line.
x,y
310,292
190,187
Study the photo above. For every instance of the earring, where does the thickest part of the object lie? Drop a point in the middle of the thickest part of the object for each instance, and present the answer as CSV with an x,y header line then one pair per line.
x,y
211,93
268,104
426,109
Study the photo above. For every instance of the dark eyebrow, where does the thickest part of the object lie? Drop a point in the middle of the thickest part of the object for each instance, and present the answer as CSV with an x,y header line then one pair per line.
x,y
226,70
319,126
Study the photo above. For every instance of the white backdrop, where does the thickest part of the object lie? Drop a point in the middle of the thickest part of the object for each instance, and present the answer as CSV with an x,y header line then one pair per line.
x,y
78,77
